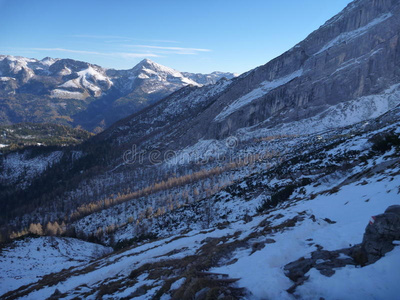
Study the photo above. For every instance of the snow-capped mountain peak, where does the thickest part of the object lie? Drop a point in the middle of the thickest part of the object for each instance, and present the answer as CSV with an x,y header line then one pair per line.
x,y
55,80
48,61
150,69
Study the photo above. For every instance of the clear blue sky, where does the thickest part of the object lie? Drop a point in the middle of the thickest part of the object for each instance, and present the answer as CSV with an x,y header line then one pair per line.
x,y
195,36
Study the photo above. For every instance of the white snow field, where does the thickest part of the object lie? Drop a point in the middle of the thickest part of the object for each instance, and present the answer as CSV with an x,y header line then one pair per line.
x,y
26,261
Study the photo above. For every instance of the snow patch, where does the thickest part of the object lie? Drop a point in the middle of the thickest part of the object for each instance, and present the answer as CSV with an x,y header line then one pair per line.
x,y
70,84
63,94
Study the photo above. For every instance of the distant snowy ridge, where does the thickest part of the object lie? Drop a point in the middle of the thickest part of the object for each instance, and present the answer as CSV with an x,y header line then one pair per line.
x,y
88,77
149,69
49,81
212,78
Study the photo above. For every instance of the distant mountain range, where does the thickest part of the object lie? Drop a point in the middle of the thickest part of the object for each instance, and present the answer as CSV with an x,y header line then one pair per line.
x,y
71,92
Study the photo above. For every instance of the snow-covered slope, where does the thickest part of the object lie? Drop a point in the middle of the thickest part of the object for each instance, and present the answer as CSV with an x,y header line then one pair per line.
x,y
241,251
90,81
349,209
27,261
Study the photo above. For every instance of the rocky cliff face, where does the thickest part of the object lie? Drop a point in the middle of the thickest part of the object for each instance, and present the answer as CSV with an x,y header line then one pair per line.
x,y
345,72
354,54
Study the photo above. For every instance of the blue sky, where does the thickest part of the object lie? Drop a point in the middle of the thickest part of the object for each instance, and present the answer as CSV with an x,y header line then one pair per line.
x,y
195,36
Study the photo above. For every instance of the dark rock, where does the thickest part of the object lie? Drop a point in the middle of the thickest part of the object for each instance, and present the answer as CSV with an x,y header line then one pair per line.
x,y
382,230
288,102
322,260
247,218
323,254
56,295
329,221
393,209
257,246
292,289
297,269
327,272
140,291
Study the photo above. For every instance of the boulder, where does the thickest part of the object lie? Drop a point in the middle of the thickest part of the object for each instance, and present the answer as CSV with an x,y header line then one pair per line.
x,y
380,233
395,209
378,239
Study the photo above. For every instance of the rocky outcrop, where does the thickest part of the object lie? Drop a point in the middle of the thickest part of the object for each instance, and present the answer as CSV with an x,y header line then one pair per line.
x,y
378,239
324,261
380,233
